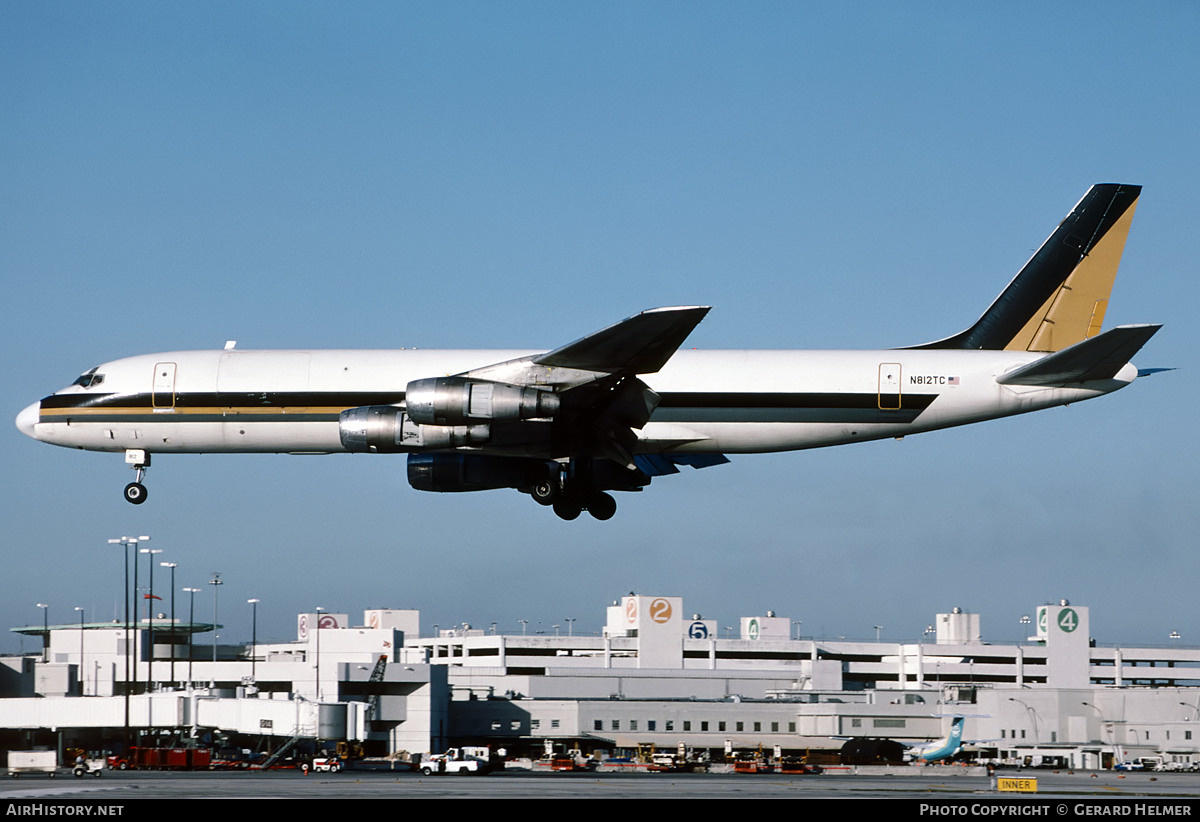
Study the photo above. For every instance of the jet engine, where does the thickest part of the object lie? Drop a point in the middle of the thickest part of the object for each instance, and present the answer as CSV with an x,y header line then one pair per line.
x,y
461,401
475,472
386,429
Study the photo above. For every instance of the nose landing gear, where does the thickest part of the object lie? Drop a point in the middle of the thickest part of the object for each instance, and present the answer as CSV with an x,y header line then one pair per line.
x,y
139,461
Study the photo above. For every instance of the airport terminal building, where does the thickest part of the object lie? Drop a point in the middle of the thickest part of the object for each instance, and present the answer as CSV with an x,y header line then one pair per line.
x,y
653,676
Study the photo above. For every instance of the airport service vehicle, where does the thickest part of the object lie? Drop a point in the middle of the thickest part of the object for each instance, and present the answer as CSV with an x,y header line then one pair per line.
x,y
95,767
616,408
32,762
162,759
455,761
327,764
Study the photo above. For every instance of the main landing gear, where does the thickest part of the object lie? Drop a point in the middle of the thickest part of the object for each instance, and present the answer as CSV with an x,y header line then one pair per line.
x,y
139,461
572,494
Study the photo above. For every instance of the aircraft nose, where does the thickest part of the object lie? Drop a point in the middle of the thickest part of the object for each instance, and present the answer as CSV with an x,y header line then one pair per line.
x,y
27,418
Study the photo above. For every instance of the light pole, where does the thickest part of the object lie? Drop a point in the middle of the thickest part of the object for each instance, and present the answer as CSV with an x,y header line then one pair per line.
x,y
253,636
150,614
1111,733
320,611
216,583
137,620
174,627
125,542
81,688
570,625
45,631
1037,737
191,629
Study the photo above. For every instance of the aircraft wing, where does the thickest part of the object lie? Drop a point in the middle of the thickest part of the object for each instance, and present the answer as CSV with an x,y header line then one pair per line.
x,y
1097,358
596,377
640,344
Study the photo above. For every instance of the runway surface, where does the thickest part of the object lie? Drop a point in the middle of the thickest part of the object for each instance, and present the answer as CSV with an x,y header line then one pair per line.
x,y
931,784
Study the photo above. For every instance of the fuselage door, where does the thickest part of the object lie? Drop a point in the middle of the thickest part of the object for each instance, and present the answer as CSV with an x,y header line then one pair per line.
x,y
889,386
163,394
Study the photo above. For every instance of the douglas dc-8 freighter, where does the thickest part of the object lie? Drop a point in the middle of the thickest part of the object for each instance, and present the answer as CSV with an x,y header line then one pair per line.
x,y
620,406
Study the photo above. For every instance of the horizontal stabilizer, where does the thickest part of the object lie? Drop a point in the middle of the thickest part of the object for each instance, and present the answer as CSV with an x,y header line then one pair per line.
x,y
641,344
1098,358
658,465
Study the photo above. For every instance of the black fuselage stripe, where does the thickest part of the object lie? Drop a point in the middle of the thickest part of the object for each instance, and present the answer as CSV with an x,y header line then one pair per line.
x,y
316,399
310,406
208,399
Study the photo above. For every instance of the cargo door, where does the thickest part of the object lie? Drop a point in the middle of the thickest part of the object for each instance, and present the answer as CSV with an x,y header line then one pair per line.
x,y
889,386
163,393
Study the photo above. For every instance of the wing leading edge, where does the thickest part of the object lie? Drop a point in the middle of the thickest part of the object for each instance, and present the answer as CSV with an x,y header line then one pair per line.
x,y
640,344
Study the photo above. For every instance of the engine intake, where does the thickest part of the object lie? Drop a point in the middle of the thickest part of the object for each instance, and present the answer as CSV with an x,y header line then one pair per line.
x,y
460,401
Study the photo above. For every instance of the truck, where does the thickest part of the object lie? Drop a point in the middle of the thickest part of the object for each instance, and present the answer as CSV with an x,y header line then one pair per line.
x,y
455,760
327,764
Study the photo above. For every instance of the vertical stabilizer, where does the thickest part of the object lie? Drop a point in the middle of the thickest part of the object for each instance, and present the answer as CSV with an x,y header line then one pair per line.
x,y
1060,296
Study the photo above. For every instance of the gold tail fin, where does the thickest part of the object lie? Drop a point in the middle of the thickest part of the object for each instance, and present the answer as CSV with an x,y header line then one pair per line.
x,y
1075,311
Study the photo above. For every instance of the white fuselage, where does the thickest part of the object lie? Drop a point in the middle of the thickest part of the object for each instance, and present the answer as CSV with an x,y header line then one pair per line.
x,y
242,401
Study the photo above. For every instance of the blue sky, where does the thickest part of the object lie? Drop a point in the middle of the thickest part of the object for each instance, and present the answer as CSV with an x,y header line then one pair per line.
x,y
518,174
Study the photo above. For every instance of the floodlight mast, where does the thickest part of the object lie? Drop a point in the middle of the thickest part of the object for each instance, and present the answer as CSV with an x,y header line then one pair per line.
x,y
125,543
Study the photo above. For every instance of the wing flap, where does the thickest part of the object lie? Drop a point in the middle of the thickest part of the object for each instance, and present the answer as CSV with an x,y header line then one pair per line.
x,y
1098,358
658,465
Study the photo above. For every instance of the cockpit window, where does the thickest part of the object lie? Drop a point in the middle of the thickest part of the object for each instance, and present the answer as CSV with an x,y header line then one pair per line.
x,y
89,378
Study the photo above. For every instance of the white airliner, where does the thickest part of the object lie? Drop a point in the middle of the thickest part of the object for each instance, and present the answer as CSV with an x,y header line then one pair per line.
x,y
620,406
939,749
